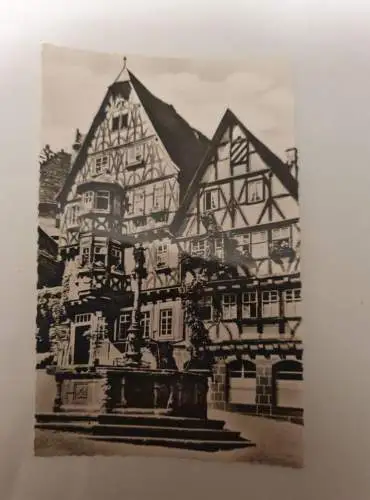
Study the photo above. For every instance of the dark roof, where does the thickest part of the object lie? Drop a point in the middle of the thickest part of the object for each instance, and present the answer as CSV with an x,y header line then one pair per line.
x,y
185,145
53,173
277,166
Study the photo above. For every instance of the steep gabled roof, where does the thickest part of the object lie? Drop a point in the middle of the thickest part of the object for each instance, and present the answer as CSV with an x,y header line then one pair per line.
x,y
185,145
277,166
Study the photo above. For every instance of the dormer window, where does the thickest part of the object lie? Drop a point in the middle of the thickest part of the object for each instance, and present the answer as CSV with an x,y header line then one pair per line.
x,y
119,122
101,164
211,199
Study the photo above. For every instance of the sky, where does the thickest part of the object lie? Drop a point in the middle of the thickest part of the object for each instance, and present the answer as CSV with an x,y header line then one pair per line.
x,y
258,91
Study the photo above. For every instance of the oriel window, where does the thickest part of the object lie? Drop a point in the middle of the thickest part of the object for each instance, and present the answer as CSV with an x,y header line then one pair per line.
x,y
255,191
88,199
85,255
281,237
102,201
116,257
100,255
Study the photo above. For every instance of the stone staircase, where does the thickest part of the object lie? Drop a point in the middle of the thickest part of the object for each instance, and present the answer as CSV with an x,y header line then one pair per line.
x,y
145,428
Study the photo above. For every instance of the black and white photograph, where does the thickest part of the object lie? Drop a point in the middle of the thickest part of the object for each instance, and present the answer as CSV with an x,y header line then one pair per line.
x,y
169,293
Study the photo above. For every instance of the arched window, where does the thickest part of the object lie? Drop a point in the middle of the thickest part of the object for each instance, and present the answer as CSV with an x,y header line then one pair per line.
x,y
288,377
242,382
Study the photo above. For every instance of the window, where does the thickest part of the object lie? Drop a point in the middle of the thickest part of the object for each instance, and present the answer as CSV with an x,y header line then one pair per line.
x,y
88,199
255,191
165,323
219,248
211,199
198,248
72,215
135,154
145,324
158,198
281,237
102,200
162,255
101,164
249,305
292,302
100,255
124,324
119,122
83,318
138,202
259,244
224,152
116,257
229,310
246,245
85,255
270,304
205,309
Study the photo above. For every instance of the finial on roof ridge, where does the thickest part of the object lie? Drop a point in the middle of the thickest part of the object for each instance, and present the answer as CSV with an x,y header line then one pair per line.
x,y
124,68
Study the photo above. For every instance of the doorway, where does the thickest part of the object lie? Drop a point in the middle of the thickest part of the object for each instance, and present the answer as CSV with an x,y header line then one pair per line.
x,y
81,346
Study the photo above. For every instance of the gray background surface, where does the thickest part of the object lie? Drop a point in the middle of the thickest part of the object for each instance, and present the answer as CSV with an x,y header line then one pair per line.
x,y
328,43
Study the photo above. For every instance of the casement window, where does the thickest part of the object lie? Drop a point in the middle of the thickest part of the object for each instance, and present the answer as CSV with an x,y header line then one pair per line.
x,y
229,309
100,164
270,304
165,322
206,308
85,255
116,257
249,305
219,248
162,255
292,302
138,201
211,199
255,191
245,245
119,122
146,324
158,198
102,201
281,237
83,318
88,199
135,154
259,244
124,324
100,254
198,248
72,215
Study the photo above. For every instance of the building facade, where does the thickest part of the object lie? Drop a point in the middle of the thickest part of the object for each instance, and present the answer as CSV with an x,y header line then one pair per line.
x,y
142,174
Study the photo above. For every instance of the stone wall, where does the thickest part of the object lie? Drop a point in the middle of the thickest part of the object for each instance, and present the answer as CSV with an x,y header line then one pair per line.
x,y
218,387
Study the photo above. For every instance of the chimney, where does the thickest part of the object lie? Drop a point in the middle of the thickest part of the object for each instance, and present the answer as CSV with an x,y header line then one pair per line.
x,y
292,161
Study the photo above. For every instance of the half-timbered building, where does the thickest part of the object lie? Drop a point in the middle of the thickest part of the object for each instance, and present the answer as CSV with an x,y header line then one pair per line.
x,y
125,186
252,303
143,174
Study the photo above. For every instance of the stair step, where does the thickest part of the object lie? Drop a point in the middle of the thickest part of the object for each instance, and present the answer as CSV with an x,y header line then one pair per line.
x,y
189,444
66,426
160,420
165,432
65,417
